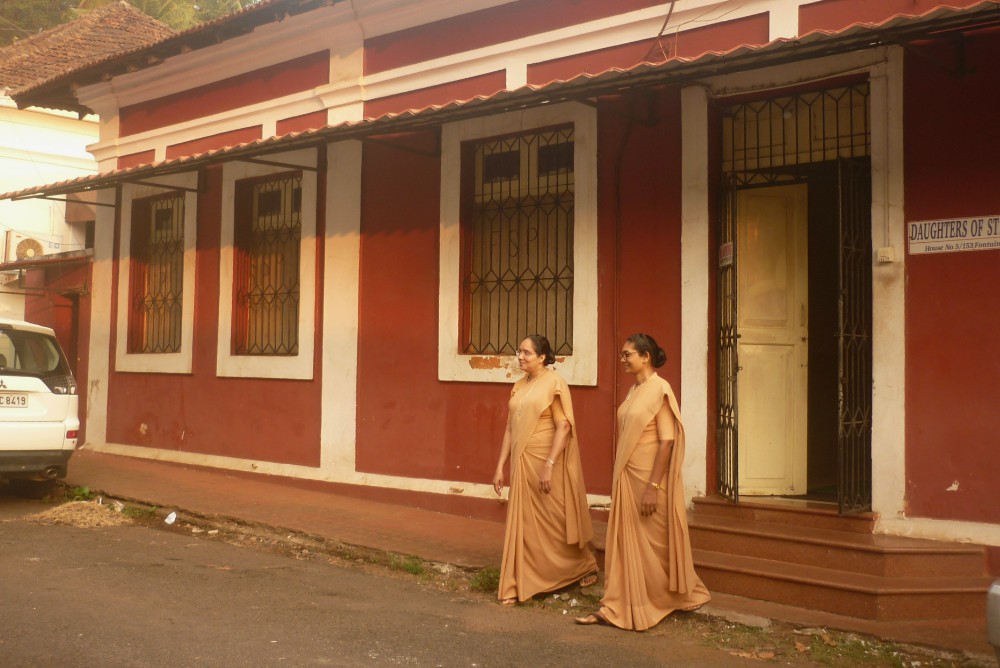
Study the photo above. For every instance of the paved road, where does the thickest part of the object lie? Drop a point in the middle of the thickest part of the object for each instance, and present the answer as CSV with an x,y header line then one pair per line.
x,y
135,596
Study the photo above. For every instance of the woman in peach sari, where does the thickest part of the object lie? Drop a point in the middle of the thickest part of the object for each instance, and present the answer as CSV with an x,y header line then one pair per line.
x,y
545,546
649,571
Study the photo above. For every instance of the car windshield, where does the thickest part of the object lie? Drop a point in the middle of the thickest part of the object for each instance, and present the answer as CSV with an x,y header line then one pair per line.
x,y
30,353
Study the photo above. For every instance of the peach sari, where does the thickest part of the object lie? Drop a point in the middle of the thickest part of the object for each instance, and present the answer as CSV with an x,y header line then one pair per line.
x,y
649,570
546,543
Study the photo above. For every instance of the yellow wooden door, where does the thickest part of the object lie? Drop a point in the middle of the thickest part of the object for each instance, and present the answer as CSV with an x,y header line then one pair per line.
x,y
772,301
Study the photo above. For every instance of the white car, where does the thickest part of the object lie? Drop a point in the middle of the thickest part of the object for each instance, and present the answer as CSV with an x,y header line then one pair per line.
x,y
39,411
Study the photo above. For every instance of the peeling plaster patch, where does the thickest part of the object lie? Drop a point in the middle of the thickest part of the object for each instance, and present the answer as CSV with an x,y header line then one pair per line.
x,y
143,428
952,488
491,362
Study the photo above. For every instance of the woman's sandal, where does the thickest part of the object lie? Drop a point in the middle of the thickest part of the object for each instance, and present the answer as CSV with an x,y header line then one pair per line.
x,y
508,601
588,580
596,617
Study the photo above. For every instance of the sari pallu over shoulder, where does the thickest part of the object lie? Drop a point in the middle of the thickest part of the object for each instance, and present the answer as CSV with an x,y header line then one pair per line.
x,y
647,400
548,386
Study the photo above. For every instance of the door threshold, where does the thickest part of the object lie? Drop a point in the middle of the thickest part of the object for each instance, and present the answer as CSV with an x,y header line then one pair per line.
x,y
798,501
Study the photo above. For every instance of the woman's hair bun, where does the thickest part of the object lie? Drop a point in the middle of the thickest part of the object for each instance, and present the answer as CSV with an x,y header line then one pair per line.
x,y
542,348
645,344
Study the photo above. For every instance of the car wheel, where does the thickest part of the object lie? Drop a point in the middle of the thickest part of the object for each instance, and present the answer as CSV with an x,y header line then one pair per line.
x,y
32,489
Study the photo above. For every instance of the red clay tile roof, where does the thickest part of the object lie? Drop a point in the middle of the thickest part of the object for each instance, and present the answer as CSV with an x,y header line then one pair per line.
x,y
56,90
110,30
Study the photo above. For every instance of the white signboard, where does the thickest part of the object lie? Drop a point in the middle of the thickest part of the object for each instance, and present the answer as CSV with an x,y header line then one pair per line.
x,y
952,235
726,254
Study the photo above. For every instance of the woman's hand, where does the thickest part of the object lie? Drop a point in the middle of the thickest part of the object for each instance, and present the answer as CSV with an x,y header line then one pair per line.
x,y
498,481
545,479
647,505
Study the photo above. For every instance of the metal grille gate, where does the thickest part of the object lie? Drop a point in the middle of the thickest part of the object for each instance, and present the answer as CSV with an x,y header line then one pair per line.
x,y
726,460
854,367
766,143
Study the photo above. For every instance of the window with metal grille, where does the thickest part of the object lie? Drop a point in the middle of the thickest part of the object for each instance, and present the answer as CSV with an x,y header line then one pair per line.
x,y
156,274
517,241
764,139
266,265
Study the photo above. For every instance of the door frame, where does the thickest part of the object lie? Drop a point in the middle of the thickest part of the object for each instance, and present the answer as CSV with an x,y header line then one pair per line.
x,y
858,494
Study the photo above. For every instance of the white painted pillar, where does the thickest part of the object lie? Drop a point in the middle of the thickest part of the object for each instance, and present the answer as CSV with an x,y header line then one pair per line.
x,y
99,353
694,286
341,283
888,290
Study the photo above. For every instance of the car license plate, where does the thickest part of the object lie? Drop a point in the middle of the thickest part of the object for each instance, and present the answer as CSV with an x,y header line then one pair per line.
x,y
13,399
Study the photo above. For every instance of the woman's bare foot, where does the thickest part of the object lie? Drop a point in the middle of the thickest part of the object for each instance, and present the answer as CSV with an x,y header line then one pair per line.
x,y
596,617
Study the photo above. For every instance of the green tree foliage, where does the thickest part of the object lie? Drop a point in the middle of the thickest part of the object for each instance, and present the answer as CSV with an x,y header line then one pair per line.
x,y
178,14
207,10
24,18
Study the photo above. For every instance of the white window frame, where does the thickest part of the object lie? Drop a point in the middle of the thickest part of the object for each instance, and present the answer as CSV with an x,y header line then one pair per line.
x,y
299,366
580,368
179,362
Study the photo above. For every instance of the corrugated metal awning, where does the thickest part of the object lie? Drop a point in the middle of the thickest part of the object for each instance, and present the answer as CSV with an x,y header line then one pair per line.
x,y
66,259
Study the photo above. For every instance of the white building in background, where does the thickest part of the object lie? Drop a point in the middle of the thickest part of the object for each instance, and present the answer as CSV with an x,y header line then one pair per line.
x,y
38,145
42,145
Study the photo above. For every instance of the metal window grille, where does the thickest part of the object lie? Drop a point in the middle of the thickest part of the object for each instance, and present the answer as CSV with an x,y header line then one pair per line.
x,y
762,139
517,237
156,274
266,265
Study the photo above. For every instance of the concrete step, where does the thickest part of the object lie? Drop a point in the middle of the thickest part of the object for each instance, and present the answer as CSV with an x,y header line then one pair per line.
x,y
849,551
806,555
784,511
852,594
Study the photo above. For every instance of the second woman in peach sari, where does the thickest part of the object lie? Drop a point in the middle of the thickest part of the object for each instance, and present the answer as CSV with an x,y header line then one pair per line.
x,y
649,570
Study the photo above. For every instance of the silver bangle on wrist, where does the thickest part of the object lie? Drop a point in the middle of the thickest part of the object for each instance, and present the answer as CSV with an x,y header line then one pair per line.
x,y
550,462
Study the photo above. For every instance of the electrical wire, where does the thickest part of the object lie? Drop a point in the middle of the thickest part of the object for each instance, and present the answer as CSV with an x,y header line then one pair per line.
x,y
677,28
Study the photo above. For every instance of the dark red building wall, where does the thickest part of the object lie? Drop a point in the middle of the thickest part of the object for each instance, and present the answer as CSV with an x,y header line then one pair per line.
x,y
952,323
639,262
487,27
136,159
45,305
221,140
838,14
59,297
463,89
410,423
316,119
270,420
259,85
688,44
